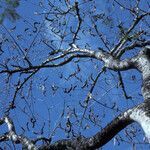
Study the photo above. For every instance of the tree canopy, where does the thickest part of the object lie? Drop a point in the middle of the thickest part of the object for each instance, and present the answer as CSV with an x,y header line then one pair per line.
x,y
75,75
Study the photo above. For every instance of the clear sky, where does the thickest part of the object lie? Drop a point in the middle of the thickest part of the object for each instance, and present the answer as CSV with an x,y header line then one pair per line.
x,y
44,97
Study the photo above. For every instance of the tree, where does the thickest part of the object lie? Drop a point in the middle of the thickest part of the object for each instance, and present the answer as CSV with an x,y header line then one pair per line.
x,y
75,56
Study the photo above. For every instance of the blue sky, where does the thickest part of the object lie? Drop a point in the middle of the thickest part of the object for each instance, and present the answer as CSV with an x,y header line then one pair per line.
x,y
43,103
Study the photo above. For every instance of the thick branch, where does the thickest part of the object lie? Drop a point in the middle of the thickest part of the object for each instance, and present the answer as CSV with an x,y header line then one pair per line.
x,y
110,131
11,135
109,61
96,141
139,114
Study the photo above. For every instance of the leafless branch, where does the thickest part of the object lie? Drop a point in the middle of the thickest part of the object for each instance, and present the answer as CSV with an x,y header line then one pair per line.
x,y
126,36
12,135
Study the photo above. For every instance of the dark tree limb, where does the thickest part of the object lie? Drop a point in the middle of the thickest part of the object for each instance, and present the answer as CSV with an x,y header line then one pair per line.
x,y
121,83
136,114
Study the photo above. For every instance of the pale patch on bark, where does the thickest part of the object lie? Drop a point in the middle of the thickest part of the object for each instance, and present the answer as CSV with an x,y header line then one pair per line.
x,y
141,117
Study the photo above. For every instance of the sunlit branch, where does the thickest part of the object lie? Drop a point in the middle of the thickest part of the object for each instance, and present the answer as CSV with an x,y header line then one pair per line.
x,y
109,61
12,135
